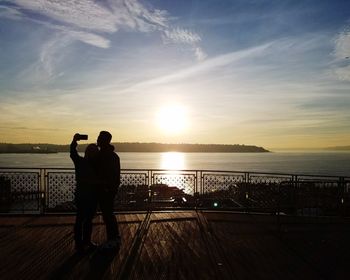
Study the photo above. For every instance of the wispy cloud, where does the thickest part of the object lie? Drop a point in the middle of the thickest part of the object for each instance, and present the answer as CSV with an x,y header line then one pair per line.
x,y
266,64
342,44
10,13
93,22
135,15
81,14
44,69
205,66
343,73
83,36
200,54
184,36
49,53
179,35
342,55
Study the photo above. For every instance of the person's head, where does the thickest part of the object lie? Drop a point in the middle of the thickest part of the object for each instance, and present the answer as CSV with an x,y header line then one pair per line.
x,y
104,139
91,151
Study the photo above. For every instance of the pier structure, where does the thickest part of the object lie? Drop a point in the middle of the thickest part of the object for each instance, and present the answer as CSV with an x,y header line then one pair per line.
x,y
189,224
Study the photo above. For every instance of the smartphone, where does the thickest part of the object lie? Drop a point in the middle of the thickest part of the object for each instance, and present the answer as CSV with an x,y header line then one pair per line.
x,y
82,137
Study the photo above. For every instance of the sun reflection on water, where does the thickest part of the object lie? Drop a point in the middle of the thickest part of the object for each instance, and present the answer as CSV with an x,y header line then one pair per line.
x,y
173,161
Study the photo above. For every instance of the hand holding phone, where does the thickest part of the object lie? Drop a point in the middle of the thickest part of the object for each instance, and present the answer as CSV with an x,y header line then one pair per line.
x,y
78,137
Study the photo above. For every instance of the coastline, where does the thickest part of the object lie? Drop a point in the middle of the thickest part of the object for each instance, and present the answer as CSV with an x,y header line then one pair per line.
x,y
137,148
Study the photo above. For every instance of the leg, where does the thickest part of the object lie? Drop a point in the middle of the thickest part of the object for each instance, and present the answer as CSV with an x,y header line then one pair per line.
x,y
106,202
90,210
78,232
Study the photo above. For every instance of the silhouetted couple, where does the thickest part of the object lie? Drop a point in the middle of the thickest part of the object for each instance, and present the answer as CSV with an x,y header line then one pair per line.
x,y
97,182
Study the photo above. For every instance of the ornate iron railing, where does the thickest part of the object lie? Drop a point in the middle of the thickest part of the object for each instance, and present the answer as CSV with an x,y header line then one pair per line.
x,y
52,190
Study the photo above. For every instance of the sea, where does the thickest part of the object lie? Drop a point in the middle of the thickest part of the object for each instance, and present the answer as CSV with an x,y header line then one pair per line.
x,y
287,162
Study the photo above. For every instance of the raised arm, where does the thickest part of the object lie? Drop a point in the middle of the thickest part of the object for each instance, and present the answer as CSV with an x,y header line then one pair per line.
x,y
73,149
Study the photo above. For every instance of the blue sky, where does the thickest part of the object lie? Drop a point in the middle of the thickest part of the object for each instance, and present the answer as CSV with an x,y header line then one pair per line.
x,y
269,73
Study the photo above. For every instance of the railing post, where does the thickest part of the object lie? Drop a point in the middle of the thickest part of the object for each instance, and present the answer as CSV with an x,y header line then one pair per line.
x,y
294,193
246,191
150,183
149,174
341,186
42,189
199,183
279,208
46,187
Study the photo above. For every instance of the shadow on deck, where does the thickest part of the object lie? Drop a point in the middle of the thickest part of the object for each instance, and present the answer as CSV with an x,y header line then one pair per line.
x,y
179,245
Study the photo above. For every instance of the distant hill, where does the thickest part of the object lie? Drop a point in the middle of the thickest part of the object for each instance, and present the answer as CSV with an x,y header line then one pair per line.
x,y
339,148
187,148
136,147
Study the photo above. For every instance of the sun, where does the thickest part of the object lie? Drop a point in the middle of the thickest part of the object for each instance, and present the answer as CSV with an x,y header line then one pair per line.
x,y
172,119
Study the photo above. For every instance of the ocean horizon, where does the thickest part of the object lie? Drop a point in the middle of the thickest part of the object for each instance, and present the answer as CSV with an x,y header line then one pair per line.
x,y
333,163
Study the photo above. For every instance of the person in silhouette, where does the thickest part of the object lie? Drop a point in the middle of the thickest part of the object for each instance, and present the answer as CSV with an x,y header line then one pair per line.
x,y
108,172
85,193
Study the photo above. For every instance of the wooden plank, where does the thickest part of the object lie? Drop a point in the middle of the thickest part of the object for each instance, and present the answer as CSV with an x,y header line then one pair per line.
x,y
9,221
174,247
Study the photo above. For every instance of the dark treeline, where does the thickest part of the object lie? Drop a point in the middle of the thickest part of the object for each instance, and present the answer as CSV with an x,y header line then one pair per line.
x,y
339,148
32,148
136,147
187,148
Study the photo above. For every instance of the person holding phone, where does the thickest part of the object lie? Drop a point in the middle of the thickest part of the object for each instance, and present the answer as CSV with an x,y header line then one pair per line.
x,y
85,192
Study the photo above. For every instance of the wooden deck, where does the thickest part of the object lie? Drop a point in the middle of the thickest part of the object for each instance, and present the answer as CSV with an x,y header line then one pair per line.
x,y
179,245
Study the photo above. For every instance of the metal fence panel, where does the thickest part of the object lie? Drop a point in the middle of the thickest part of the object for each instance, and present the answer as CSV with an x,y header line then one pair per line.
x,y
222,190
318,195
20,190
60,190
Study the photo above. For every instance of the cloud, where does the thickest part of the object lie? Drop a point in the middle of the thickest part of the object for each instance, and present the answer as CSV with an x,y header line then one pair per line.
x,y
49,53
10,13
135,15
207,65
179,35
91,21
81,14
88,38
99,16
183,36
262,70
343,73
200,54
342,53
342,44
43,70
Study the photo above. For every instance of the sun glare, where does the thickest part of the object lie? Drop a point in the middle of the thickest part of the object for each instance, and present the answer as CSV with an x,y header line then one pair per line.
x,y
172,119
173,161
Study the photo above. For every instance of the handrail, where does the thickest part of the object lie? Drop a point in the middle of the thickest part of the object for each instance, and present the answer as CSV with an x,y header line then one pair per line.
x,y
187,170
230,189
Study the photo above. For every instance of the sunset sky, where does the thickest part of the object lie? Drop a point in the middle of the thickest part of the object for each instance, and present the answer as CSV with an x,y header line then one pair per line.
x,y
268,73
